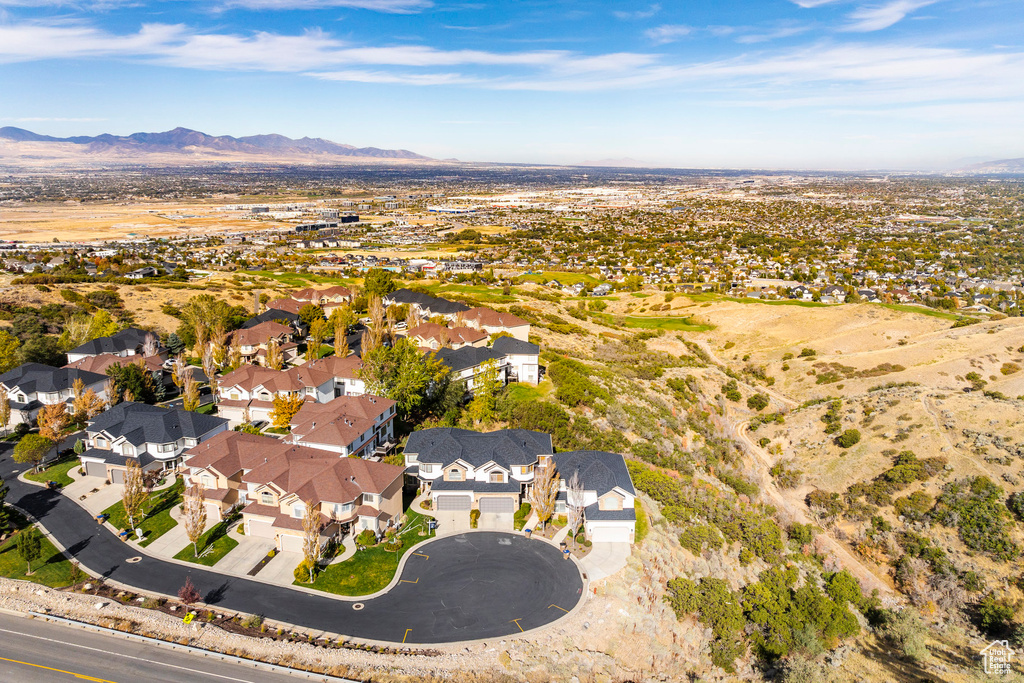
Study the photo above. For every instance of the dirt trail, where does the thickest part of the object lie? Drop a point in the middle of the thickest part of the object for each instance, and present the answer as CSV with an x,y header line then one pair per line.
x,y
797,511
779,397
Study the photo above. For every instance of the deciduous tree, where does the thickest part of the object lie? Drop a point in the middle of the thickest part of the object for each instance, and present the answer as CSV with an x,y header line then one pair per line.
x,y
401,373
193,513
188,594
318,331
311,550
32,449
486,386
190,394
53,420
285,408
5,411
574,504
8,351
133,496
274,359
545,492
30,547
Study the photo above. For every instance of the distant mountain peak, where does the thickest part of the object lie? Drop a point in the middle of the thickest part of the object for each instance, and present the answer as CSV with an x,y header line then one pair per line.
x,y
195,144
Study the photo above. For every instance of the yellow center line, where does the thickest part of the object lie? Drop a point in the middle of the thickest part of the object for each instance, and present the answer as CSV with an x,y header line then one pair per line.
x,y
408,581
557,607
61,671
516,622
422,555
406,634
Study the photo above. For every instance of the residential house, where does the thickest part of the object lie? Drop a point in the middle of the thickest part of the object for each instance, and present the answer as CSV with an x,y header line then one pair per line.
x,y
329,299
464,470
220,462
351,426
30,386
128,342
467,363
434,336
522,359
427,306
348,493
345,371
496,322
152,436
608,494
252,389
253,341
275,315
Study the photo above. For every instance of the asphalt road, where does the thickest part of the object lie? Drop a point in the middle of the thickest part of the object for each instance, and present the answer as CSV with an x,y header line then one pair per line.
x,y
43,652
467,587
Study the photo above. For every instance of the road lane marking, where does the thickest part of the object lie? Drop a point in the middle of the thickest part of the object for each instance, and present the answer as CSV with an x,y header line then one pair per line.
x,y
60,671
406,634
422,555
516,622
557,607
408,581
63,643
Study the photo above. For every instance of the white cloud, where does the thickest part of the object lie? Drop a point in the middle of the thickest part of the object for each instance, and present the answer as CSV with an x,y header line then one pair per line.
x,y
878,17
389,6
808,4
636,15
668,33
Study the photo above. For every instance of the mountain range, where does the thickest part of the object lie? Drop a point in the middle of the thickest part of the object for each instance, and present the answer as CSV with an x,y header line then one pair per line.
x,y
183,145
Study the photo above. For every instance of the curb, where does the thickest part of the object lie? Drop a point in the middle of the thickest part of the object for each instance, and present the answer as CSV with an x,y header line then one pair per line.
x,y
584,591
190,649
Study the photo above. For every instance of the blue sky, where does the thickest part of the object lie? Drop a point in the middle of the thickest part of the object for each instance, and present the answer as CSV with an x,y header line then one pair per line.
x,y
842,84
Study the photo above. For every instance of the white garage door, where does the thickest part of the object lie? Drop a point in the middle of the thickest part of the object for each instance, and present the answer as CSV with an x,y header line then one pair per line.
x,y
453,503
497,504
611,534
291,544
260,529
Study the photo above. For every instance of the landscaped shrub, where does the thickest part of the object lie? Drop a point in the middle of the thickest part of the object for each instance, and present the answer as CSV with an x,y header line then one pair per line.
x,y
366,538
302,571
474,518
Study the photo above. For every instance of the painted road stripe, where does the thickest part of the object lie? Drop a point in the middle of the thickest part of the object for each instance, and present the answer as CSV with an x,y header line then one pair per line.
x,y
110,653
406,634
557,607
422,555
408,581
516,622
60,671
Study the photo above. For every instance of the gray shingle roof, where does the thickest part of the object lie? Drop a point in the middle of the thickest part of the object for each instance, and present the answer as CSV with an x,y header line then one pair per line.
x,y
510,486
433,304
140,423
129,339
599,471
467,357
509,345
506,447
32,378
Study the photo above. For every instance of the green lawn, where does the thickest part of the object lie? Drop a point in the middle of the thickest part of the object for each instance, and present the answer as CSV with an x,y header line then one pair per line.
x,y
370,570
215,537
277,430
521,515
57,472
678,324
157,510
564,278
51,569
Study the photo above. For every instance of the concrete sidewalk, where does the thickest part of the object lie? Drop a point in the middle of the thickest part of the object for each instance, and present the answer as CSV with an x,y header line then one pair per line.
x,y
174,539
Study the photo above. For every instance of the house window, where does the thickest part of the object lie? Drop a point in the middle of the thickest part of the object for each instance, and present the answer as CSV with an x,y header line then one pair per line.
x,y
127,450
455,474
191,442
340,510
234,396
298,510
267,498
100,442
497,477
426,468
207,481
165,448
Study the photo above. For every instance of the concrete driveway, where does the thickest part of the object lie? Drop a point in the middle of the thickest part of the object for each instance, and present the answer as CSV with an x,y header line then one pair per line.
x,y
281,569
606,559
451,521
496,521
246,556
